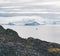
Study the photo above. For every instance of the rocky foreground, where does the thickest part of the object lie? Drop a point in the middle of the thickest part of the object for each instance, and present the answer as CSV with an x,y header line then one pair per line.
x,y
13,45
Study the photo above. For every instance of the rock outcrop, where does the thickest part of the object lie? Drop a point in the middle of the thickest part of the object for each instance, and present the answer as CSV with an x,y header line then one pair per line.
x,y
8,34
13,45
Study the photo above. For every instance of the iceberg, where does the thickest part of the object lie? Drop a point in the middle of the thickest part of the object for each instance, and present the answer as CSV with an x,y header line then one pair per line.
x,y
25,23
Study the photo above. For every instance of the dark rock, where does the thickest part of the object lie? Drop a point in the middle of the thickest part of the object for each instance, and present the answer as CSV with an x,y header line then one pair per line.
x,y
13,45
11,32
8,34
2,30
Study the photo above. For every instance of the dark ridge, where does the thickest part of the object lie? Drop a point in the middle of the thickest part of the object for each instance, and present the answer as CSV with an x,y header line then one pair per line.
x,y
11,32
1,30
9,35
13,45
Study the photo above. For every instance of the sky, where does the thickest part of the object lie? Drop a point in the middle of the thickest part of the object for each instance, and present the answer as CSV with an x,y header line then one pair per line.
x,y
40,10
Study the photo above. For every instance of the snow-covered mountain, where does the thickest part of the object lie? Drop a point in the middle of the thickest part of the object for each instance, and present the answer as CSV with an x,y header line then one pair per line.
x,y
32,22
25,23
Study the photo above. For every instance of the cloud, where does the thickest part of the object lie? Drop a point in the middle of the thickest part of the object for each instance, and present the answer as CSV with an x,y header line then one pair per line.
x,y
14,1
31,7
46,9
52,16
37,17
21,1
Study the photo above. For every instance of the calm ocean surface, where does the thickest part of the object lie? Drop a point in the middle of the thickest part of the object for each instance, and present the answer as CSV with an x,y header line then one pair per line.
x,y
44,32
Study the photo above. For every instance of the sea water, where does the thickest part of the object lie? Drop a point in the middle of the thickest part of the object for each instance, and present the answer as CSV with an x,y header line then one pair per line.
x,y
49,33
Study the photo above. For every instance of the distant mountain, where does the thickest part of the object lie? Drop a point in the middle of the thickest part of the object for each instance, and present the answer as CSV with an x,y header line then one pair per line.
x,y
53,22
13,45
25,23
31,22
11,24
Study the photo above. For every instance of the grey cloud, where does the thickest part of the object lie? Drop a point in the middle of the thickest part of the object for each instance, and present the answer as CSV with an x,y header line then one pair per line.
x,y
45,8
46,16
23,7
18,7
45,0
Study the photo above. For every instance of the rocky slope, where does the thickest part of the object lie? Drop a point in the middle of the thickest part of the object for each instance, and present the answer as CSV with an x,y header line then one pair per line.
x,y
13,45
